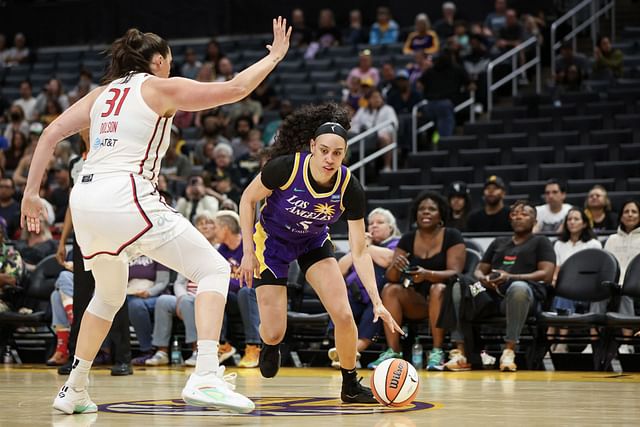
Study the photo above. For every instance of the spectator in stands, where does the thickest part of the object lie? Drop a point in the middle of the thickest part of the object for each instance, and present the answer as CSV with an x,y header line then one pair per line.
x,y
418,67
459,42
11,269
387,78
475,64
572,80
576,234
365,68
51,112
53,91
422,38
624,245
240,300
494,216
13,154
243,126
531,28
224,71
62,316
224,176
444,26
352,95
608,61
385,30
402,97
567,59
213,126
551,215
375,113
181,304
424,260
266,95
356,33
213,54
496,20
459,198
209,72
191,65
26,101
516,271
328,33
301,35
4,51
249,163
382,238
19,53
196,200
175,165
164,190
443,85
272,127
84,86
510,35
9,208
17,122
58,191
246,107
22,169
34,247
147,280
597,206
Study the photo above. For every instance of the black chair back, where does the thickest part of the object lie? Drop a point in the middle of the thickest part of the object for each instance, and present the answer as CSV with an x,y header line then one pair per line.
x,y
42,280
631,285
584,275
471,261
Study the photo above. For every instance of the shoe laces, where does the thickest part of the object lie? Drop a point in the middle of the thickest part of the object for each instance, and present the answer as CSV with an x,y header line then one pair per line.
x,y
229,379
435,357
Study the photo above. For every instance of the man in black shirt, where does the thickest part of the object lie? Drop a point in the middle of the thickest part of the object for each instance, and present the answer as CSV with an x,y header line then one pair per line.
x,y
494,216
516,271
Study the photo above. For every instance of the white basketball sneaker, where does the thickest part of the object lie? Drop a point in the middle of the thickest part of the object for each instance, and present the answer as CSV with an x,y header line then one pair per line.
x,y
216,390
71,401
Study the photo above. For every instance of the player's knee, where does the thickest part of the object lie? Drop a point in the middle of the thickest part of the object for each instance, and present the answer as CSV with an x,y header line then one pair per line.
x,y
104,308
215,282
273,334
343,319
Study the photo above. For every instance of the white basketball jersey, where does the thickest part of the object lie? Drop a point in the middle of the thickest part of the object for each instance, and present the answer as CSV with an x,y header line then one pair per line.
x,y
126,134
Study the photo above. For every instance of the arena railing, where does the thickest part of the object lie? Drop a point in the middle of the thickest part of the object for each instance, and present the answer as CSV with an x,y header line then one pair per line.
x,y
363,160
595,9
416,131
516,72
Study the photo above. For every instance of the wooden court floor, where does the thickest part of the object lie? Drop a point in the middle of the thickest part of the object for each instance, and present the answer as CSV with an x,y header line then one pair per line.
x,y
308,397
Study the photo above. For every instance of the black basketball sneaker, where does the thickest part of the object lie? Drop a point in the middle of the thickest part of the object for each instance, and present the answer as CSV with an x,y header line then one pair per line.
x,y
354,392
269,360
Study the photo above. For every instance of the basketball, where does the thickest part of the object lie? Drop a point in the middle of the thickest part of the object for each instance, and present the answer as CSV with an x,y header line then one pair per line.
x,y
395,382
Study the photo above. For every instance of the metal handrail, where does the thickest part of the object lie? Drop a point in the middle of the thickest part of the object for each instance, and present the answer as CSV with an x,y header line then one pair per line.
x,y
515,70
415,130
594,15
360,139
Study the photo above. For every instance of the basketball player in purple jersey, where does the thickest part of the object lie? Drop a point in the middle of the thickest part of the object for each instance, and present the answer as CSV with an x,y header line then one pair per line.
x,y
117,210
306,188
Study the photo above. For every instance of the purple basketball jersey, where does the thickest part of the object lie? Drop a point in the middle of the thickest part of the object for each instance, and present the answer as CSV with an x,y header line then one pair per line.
x,y
296,211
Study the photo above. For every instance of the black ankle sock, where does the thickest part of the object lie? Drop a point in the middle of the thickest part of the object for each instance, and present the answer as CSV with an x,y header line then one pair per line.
x,y
349,376
266,346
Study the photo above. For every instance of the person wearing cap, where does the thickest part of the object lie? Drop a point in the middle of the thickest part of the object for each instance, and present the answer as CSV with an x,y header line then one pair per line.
x,y
444,26
306,188
494,215
402,97
423,38
385,30
365,69
459,198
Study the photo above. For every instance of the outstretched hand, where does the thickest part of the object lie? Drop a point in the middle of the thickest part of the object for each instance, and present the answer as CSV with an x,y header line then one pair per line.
x,y
281,35
380,312
30,213
249,268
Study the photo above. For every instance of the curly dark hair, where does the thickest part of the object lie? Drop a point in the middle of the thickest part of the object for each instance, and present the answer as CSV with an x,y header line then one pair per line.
x,y
443,206
298,128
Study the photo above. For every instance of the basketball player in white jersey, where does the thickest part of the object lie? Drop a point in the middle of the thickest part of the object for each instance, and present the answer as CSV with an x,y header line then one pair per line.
x,y
117,210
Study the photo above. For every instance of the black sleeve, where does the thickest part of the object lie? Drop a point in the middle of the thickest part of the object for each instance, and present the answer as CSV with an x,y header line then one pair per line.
x,y
545,250
487,258
452,237
354,201
406,241
277,171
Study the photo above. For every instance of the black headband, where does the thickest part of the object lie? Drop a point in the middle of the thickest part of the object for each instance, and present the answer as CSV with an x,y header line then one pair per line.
x,y
331,127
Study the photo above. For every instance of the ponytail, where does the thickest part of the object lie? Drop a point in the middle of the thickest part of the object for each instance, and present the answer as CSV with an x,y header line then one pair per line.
x,y
133,52
299,127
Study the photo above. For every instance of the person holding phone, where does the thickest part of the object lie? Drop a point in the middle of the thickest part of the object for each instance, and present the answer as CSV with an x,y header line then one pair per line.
x,y
423,260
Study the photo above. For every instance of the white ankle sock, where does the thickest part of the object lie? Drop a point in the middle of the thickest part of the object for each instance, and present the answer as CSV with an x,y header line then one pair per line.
x,y
79,376
207,360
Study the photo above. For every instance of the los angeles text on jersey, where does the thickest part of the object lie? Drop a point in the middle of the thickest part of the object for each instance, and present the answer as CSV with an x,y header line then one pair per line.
x,y
322,212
